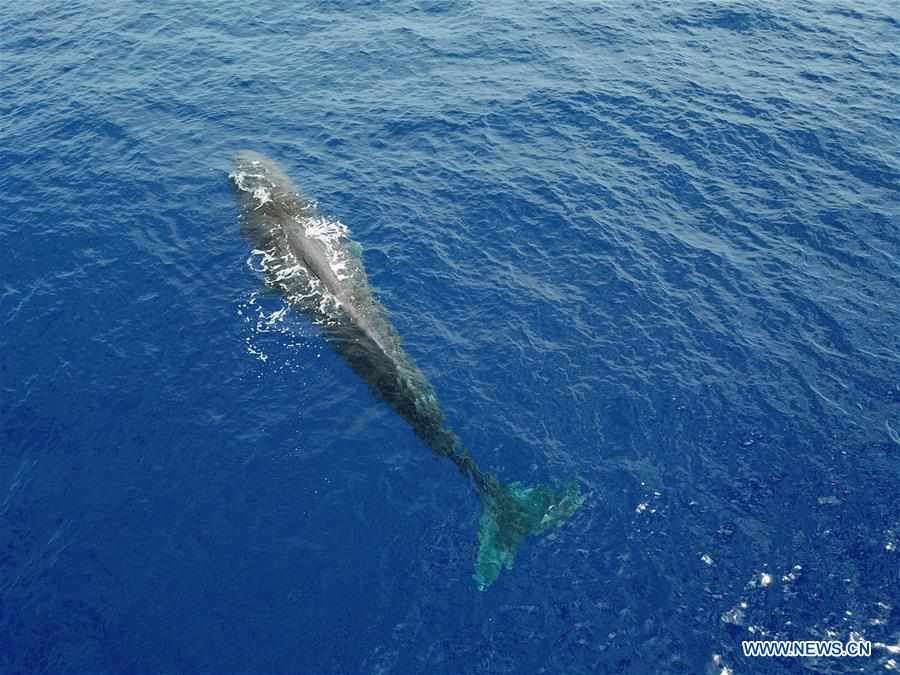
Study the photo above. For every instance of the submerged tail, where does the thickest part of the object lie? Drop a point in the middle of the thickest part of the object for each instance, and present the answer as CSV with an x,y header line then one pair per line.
x,y
510,512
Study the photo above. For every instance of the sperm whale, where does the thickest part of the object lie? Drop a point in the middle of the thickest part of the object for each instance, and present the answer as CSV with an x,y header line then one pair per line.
x,y
313,262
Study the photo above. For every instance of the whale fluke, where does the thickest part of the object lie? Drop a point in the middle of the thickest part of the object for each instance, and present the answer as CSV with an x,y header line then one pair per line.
x,y
313,262
511,512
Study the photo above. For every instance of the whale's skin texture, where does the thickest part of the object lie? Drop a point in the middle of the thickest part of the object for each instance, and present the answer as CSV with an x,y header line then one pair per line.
x,y
319,269
313,262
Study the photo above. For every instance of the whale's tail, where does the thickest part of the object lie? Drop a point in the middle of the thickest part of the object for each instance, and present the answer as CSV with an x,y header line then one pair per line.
x,y
510,512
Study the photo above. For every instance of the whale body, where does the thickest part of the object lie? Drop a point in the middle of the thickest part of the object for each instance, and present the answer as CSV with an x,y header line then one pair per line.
x,y
312,261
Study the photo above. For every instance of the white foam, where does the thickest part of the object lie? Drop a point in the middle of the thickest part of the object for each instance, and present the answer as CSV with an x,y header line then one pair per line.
x,y
263,196
240,179
334,236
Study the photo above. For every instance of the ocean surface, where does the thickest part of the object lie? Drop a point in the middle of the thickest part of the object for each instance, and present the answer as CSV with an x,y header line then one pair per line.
x,y
653,248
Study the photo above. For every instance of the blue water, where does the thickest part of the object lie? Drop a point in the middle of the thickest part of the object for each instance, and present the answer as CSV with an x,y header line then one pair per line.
x,y
652,248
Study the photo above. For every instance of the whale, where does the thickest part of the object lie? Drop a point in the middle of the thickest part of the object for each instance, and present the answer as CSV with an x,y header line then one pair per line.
x,y
311,259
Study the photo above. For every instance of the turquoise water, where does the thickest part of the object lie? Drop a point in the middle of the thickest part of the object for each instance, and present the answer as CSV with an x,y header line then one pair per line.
x,y
651,249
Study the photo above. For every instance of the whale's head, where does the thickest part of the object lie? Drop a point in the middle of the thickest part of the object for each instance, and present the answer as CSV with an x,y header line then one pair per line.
x,y
263,189
257,178
267,198
251,160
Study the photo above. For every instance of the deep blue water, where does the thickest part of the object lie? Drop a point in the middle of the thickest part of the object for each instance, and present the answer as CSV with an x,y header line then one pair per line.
x,y
653,248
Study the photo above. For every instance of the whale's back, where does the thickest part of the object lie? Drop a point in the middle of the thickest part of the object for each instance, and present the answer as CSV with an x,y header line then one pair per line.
x,y
311,259
280,221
